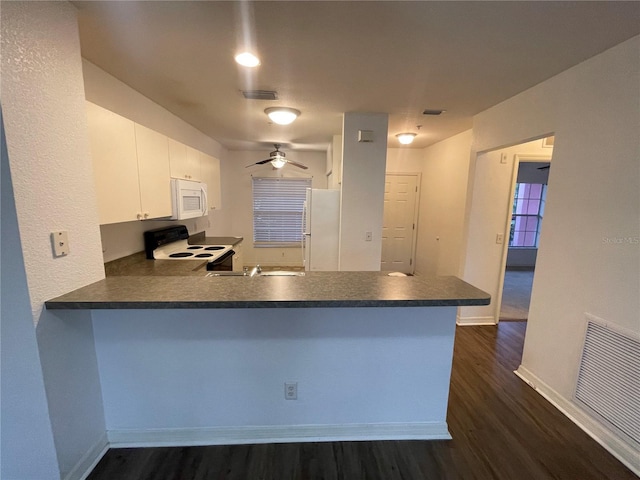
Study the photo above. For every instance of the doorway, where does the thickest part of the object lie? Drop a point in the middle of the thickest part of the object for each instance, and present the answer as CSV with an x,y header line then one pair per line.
x,y
528,195
399,224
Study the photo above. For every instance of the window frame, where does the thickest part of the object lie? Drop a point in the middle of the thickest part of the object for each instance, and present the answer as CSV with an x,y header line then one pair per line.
x,y
521,201
278,222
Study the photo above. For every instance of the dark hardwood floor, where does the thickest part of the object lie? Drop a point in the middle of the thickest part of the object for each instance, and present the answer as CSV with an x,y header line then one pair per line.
x,y
501,428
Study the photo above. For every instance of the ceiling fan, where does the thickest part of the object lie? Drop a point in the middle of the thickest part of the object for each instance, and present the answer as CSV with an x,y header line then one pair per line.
x,y
278,159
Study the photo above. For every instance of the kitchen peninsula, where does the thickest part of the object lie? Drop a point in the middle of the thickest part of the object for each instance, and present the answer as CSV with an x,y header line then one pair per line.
x,y
190,360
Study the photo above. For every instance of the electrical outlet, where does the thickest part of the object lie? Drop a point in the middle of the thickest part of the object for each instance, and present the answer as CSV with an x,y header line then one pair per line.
x,y
291,390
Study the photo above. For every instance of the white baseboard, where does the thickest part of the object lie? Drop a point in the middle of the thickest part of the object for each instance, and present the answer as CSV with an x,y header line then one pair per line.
x,y
89,460
620,449
277,434
469,321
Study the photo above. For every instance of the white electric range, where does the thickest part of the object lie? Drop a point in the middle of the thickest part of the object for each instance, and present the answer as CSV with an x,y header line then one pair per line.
x,y
172,243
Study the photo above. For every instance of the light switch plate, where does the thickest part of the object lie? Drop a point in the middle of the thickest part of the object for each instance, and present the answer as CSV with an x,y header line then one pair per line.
x,y
60,243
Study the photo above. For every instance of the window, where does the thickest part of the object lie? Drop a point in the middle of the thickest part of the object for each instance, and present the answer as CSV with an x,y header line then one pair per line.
x,y
277,211
528,210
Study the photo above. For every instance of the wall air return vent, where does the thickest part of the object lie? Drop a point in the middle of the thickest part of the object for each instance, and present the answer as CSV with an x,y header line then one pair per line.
x,y
608,381
260,94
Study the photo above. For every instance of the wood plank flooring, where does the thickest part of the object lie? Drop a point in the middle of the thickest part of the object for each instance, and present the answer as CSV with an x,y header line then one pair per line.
x,y
501,428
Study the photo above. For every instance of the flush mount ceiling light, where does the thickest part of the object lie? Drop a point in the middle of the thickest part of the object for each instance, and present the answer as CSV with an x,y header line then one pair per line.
x,y
247,59
406,138
282,115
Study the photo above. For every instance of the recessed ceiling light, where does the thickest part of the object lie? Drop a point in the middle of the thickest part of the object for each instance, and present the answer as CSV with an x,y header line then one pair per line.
x,y
282,115
406,138
247,59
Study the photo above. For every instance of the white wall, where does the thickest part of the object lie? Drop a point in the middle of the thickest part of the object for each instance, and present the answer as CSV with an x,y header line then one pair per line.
x,y
362,197
217,376
405,160
589,259
442,206
491,203
24,423
48,153
238,199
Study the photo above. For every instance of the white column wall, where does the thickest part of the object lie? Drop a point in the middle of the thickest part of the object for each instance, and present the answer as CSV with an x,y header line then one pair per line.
x,y
362,198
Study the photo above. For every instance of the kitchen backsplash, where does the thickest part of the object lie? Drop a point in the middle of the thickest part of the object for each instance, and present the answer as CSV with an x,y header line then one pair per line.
x,y
122,239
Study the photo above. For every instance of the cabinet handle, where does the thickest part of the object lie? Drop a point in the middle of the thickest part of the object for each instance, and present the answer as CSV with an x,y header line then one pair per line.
x,y
139,216
146,215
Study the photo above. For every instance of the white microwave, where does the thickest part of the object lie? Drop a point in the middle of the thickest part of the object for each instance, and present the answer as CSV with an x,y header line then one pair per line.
x,y
188,198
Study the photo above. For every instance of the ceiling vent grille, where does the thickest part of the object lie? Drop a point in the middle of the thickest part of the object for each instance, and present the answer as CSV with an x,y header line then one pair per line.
x,y
432,111
260,94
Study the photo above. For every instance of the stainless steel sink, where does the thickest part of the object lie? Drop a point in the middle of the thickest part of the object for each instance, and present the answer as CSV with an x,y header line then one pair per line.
x,y
227,274
282,273
252,273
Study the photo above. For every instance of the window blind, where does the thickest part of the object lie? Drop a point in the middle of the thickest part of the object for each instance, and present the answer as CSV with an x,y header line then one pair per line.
x,y
278,210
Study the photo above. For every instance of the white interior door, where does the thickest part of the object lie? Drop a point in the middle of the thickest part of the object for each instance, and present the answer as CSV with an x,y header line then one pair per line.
x,y
399,222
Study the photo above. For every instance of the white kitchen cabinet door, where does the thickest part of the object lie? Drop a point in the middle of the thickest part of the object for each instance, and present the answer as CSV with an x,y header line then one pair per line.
x,y
154,173
115,165
193,168
210,169
184,161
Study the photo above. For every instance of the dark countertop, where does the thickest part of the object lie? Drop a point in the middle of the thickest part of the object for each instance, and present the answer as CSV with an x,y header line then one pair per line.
x,y
138,265
315,289
200,238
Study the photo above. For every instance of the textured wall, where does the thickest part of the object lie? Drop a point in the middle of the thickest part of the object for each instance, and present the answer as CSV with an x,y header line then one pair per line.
x,y
48,151
46,129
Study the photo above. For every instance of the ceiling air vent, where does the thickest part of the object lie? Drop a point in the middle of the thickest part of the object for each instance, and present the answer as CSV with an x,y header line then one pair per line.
x,y
431,111
260,94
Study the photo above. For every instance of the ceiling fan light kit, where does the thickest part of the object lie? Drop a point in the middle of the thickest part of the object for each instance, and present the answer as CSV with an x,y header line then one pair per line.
x,y
406,138
282,115
278,162
278,159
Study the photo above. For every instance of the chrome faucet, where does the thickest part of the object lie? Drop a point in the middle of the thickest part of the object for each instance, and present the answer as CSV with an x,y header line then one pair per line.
x,y
255,271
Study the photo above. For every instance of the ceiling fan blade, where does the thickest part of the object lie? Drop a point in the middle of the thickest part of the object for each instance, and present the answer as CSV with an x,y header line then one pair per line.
x,y
297,164
261,162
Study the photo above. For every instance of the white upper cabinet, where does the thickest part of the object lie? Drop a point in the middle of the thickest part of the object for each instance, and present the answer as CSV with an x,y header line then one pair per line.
x,y
153,171
115,165
131,168
184,161
210,170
